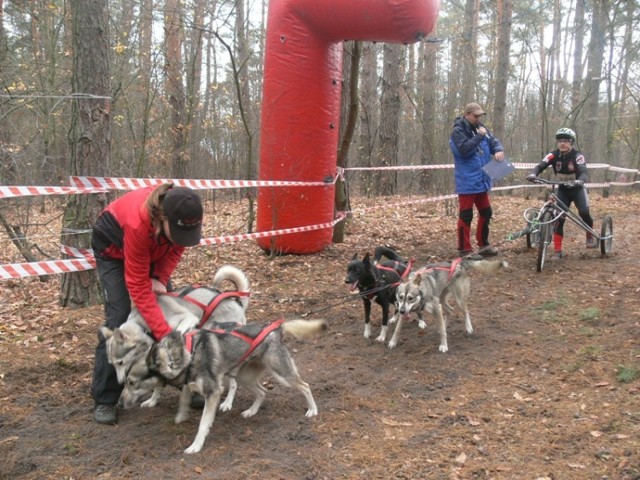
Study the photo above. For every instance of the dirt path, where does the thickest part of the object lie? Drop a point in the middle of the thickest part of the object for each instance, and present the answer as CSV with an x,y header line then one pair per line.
x,y
534,393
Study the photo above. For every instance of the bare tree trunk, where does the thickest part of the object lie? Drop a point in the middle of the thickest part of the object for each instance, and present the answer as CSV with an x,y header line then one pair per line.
x,y
146,35
248,145
367,113
429,110
386,180
469,50
89,139
594,78
578,48
350,67
553,59
505,12
174,86
544,89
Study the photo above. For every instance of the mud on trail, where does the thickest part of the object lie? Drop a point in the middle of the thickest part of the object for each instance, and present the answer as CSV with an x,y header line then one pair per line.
x,y
547,387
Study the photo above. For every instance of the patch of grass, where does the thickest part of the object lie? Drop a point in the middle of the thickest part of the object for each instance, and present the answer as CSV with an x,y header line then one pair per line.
x,y
592,313
627,374
551,305
588,332
72,448
63,363
573,367
591,351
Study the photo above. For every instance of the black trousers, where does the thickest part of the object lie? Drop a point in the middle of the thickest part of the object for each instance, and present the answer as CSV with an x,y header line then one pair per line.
x,y
117,306
580,198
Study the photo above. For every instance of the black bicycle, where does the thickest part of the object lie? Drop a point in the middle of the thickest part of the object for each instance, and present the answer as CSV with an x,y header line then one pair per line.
x,y
541,223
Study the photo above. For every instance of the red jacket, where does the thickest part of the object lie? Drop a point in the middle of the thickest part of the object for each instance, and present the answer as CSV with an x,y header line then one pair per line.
x,y
137,245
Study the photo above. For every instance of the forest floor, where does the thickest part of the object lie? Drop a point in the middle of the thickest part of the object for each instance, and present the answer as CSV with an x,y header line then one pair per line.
x,y
547,387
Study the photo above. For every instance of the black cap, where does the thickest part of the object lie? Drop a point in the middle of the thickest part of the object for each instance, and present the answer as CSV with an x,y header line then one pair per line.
x,y
183,208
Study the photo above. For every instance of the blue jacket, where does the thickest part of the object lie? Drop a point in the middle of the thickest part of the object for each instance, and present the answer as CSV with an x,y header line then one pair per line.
x,y
471,151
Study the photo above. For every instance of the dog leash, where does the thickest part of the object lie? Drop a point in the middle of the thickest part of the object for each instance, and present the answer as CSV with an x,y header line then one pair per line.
x,y
347,299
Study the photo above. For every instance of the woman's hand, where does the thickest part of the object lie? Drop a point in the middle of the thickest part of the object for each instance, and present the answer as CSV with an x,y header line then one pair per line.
x,y
157,286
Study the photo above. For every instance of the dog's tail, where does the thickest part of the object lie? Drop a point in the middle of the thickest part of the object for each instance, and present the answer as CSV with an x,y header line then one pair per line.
x,y
235,276
390,253
304,329
485,266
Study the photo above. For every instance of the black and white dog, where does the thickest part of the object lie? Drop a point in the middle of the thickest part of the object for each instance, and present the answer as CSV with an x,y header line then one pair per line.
x,y
376,280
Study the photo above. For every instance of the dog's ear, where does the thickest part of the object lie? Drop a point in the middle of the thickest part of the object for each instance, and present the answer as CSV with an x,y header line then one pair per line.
x,y
355,256
106,333
418,279
119,335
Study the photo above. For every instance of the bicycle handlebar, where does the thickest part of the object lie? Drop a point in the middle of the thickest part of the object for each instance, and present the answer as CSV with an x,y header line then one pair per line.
x,y
544,181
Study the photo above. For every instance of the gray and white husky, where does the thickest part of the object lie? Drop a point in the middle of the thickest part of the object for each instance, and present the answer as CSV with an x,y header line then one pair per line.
x,y
200,361
184,310
429,288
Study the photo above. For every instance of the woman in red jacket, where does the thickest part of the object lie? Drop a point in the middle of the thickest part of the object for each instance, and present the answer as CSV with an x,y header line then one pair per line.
x,y
138,241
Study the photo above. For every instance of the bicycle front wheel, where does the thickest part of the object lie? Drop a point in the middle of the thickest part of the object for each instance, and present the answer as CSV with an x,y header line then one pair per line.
x,y
545,235
606,237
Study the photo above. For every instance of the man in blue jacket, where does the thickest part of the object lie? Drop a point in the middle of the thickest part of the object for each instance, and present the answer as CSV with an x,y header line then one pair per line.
x,y
472,146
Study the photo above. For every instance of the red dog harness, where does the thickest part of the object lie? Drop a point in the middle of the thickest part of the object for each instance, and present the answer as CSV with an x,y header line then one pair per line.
x,y
209,308
406,272
253,342
451,269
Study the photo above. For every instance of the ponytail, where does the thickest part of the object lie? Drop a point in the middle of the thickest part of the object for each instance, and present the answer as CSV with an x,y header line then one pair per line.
x,y
154,206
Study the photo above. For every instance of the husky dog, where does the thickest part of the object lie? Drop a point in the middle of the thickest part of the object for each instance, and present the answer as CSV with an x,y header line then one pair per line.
x,y
201,360
429,288
376,280
183,309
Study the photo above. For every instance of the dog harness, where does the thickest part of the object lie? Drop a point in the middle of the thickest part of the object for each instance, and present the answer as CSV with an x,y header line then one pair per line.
x,y
253,342
371,294
451,269
207,309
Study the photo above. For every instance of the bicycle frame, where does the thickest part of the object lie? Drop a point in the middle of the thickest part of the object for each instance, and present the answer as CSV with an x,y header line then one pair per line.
x,y
541,224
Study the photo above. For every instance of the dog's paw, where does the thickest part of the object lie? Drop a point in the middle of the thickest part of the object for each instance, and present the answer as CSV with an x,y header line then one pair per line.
x,y
250,412
392,344
367,330
225,406
312,412
194,448
181,417
152,402
422,324
383,335
444,348
393,319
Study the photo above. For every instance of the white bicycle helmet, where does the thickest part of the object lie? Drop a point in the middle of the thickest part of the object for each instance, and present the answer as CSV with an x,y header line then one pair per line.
x,y
566,133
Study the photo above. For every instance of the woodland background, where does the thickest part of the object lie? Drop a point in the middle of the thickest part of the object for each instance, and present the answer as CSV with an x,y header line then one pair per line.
x,y
172,88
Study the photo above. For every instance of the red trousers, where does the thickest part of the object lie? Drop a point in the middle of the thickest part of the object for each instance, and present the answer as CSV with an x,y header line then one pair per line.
x,y
466,202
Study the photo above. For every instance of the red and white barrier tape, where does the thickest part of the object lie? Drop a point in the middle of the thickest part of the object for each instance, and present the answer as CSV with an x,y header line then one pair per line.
x,y
401,167
120,183
16,191
84,259
52,267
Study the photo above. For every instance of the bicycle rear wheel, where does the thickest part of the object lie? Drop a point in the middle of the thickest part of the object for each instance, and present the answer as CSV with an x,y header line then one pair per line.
x,y
606,235
545,235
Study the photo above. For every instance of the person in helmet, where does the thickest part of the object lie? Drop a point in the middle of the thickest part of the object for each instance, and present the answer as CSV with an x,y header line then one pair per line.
x,y
569,165
472,146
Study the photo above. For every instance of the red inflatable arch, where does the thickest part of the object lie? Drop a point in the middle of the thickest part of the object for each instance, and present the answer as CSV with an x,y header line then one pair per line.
x,y
301,103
